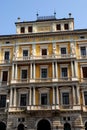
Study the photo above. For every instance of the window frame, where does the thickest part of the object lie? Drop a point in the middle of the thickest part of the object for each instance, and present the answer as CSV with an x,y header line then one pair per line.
x,y
24,68
44,91
43,67
64,66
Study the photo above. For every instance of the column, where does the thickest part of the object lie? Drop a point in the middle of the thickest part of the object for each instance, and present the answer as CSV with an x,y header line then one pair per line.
x,y
53,96
72,68
81,72
53,69
15,97
78,94
74,95
16,71
12,71
56,70
57,95
76,69
30,97
33,95
34,70
31,70
11,96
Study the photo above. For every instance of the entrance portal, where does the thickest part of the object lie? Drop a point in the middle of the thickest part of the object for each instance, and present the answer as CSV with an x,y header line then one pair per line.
x,y
43,125
67,126
20,127
2,126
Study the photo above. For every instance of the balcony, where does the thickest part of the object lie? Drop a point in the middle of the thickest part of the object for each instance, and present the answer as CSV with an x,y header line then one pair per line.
x,y
42,57
41,80
5,61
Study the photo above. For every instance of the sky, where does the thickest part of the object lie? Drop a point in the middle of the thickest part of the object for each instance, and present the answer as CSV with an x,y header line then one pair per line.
x,y
10,10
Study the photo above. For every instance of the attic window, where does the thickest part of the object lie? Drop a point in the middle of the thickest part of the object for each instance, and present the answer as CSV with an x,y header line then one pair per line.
x,y
7,42
82,37
22,30
66,26
30,29
58,27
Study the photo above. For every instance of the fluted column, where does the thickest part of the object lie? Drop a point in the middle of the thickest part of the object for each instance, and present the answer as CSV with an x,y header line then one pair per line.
x,y
33,95
56,70
30,97
11,96
74,95
31,70
15,97
16,71
53,96
34,71
78,94
76,69
57,95
72,69
53,69
12,71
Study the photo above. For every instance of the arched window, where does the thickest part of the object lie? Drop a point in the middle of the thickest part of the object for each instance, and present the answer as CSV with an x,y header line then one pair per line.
x,y
86,126
67,126
20,127
43,125
2,126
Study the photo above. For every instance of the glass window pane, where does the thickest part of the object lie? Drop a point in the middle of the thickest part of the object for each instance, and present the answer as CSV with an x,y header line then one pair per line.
x,y
7,55
25,52
44,73
63,50
23,99
24,74
64,72
83,51
2,100
44,99
65,97
85,97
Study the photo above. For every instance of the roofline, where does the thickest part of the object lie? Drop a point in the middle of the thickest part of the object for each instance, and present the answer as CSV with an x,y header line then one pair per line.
x,y
72,32
37,21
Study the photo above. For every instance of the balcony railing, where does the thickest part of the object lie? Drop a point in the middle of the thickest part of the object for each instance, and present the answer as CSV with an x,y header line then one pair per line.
x,y
41,80
5,61
41,57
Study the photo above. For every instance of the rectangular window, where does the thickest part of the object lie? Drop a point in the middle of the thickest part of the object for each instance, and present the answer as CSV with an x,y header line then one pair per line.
x,y
63,50
84,69
83,51
24,74
25,53
65,98
58,27
64,72
85,97
43,72
30,29
23,99
6,57
22,30
5,76
44,99
2,101
44,52
66,26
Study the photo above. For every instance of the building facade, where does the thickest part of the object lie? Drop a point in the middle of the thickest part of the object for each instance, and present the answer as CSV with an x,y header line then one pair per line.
x,y
43,76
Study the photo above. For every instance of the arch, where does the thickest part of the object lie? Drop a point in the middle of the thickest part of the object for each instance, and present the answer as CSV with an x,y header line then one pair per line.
x,y
43,125
2,126
20,127
67,126
85,125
